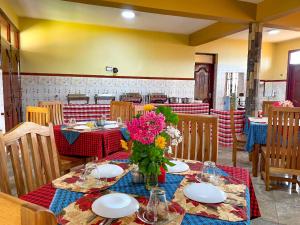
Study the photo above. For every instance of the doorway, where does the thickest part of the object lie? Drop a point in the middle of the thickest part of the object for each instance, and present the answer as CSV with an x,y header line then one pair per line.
x,y
204,75
293,77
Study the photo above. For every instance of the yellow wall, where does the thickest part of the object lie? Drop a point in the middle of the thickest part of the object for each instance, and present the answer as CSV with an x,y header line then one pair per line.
x,y
281,56
232,54
60,47
4,5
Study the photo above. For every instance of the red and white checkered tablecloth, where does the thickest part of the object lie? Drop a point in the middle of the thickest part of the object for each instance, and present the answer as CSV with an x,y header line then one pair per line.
x,y
193,108
225,137
44,195
91,112
85,112
99,143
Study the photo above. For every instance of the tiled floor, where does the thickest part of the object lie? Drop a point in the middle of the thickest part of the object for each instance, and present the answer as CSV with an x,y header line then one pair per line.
x,y
277,206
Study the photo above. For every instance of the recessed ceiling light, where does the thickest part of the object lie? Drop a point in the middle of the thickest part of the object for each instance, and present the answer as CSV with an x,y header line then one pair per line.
x,y
128,14
275,31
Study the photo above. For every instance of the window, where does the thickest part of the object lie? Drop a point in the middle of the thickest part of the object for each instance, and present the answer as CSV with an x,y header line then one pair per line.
x,y
295,58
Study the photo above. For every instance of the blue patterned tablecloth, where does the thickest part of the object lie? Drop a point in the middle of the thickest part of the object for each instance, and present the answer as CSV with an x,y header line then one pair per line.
x,y
63,198
256,134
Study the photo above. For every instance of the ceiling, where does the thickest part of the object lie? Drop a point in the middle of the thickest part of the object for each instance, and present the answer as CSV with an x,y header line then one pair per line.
x,y
253,1
99,15
283,35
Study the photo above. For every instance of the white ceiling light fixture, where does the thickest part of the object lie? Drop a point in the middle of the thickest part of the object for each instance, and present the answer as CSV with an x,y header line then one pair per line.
x,y
273,32
128,14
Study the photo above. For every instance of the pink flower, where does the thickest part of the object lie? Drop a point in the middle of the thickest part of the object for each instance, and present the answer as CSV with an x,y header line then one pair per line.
x,y
277,104
145,128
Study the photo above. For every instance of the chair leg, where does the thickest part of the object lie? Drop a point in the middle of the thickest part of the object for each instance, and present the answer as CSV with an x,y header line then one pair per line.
x,y
262,166
234,153
267,180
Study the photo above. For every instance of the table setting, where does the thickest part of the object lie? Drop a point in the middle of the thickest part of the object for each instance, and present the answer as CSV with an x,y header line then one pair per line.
x,y
89,138
149,186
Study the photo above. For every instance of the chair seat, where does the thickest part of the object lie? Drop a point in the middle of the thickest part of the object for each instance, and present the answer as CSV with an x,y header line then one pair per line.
x,y
68,162
242,138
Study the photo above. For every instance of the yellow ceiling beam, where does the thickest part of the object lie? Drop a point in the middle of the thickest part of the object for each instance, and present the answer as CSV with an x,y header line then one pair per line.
x,y
273,9
221,10
290,22
214,32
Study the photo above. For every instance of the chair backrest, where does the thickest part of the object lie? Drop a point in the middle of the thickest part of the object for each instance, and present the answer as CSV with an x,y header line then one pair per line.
x,y
32,151
14,211
124,110
232,127
283,138
200,137
138,109
55,110
266,105
37,115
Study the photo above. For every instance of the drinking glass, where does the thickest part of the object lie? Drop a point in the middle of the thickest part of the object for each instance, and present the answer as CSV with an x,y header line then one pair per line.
x,y
157,210
119,121
89,167
72,122
209,173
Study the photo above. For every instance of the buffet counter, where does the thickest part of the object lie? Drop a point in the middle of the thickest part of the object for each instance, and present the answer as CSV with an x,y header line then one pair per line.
x,y
91,111
225,136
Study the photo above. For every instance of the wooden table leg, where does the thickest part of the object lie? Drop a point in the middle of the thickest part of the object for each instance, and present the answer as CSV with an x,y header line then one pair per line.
x,y
255,158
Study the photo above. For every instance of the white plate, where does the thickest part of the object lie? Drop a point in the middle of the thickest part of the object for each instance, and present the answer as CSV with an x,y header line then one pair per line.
x,y
179,167
107,122
115,205
107,171
82,123
81,127
110,126
205,193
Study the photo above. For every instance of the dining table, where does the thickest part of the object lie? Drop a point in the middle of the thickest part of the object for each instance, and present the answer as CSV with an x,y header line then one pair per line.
x,y
88,143
256,132
73,207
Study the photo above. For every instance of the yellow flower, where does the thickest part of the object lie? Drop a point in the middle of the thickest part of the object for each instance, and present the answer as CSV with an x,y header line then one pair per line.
x,y
124,145
90,124
160,142
149,107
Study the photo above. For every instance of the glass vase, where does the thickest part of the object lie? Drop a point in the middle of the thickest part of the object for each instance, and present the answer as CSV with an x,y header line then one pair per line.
x,y
151,181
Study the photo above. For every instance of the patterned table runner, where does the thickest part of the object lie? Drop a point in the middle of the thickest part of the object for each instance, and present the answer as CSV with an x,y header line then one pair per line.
x,y
234,208
69,181
79,212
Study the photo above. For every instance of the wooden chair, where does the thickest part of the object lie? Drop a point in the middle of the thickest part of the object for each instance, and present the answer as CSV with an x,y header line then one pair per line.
x,y
138,109
266,105
55,110
14,211
282,152
30,148
239,141
200,137
37,115
124,110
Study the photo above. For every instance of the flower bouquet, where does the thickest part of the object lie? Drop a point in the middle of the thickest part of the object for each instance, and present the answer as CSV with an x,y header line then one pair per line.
x,y
286,103
151,139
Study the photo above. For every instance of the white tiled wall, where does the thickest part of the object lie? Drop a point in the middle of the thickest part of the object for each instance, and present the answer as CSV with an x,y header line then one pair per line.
x,y
37,88
274,91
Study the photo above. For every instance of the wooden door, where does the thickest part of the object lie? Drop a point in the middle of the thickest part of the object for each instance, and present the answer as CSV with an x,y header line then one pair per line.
x,y
11,85
293,81
204,82
7,91
16,86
